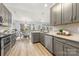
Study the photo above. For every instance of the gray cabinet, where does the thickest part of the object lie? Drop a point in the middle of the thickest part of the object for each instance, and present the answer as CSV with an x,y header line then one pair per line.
x,y
77,13
63,47
13,39
35,37
55,12
42,41
9,18
71,50
74,12
66,13
0,9
58,47
58,14
49,43
3,12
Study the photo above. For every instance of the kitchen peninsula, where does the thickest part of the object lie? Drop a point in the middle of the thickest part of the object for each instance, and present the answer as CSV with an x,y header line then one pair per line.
x,y
59,45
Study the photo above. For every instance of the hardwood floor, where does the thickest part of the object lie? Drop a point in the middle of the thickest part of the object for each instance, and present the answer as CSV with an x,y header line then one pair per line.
x,y
24,47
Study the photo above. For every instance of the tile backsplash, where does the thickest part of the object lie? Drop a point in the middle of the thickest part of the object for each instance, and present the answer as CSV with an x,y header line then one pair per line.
x,y
73,28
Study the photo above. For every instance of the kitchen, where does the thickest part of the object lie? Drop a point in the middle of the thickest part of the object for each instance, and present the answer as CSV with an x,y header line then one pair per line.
x,y
26,30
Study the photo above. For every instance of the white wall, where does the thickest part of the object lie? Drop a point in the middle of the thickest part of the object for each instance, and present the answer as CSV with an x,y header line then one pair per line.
x,y
30,12
40,16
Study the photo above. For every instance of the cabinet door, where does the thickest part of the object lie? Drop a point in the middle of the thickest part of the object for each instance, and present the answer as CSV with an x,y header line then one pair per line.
x,y
0,9
3,12
9,18
77,11
5,16
49,43
55,14
58,48
58,14
71,51
52,17
46,41
66,13
42,38
35,37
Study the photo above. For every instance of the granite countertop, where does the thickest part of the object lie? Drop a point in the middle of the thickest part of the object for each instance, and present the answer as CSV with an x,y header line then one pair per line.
x,y
73,37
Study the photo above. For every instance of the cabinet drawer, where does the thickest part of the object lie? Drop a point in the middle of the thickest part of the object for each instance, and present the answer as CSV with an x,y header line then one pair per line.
x,y
69,42
73,43
60,39
70,50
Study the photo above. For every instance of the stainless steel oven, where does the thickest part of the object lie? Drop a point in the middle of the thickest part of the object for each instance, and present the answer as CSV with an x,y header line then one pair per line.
x,y
5,45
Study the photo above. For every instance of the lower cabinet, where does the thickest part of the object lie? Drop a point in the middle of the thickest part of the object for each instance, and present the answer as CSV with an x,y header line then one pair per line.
x,y
35,37
65,48
71,51
56,45
42,41
49,43
13,39
58,48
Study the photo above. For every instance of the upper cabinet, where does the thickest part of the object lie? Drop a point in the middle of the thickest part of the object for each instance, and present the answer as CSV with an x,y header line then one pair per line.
x,y
77,13
64,13
56,14
0,10
5,14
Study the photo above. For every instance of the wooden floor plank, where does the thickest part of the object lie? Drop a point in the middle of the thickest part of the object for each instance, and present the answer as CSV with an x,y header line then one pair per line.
x,y
24,47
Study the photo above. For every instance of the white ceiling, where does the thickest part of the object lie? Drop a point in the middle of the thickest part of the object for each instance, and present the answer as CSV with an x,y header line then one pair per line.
x,y
30,10
27,6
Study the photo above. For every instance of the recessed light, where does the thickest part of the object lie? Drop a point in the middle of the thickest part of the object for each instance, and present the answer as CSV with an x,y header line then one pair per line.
x,y
45,5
